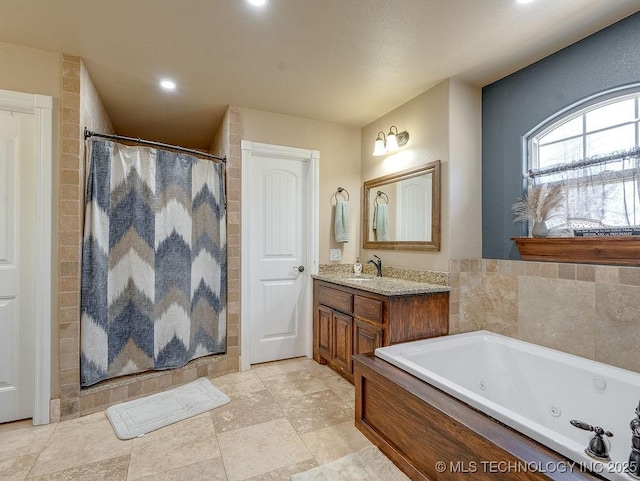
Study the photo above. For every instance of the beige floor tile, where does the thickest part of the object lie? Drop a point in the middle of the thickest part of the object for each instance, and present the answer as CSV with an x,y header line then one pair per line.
x,y
238,383
16,469
181,444
316,411
114,469
265,371
25,423
284,474
255,442
292,384
246,410
84,420
317,370
260,449
341,387
78,442
27,440
334,442
209,470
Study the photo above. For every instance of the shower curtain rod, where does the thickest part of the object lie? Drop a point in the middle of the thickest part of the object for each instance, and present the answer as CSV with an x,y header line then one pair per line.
x,y
88,134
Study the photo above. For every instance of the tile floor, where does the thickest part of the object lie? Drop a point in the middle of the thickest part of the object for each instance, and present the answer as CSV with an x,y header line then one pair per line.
x,y
284,417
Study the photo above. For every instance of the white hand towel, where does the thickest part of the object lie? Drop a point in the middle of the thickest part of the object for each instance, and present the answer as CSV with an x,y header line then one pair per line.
x,y
341,224
381,225
375,216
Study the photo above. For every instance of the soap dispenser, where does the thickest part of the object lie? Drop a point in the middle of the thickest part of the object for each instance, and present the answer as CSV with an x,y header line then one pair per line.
x,y
357,267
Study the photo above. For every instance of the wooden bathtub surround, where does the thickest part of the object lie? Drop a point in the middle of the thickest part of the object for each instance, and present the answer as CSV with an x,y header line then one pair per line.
x,y
417,426
350,321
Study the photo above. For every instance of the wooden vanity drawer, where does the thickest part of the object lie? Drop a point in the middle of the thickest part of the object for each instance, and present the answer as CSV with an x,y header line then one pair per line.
x,y
367,308
343,301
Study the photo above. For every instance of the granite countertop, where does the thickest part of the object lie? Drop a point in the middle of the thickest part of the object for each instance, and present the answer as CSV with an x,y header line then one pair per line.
x,y
386,286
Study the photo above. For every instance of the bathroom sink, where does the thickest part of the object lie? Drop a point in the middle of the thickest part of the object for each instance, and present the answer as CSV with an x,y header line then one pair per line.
x,y
360,278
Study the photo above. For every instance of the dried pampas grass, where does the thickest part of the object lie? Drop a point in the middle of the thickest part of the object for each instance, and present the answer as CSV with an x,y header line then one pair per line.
x,y
540,204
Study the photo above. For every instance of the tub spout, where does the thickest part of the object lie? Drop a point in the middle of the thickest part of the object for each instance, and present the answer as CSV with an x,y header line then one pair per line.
x,y
598,447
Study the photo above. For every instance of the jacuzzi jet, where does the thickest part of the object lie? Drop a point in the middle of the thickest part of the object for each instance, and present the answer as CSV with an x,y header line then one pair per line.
x,y
555,411
599,384
482,385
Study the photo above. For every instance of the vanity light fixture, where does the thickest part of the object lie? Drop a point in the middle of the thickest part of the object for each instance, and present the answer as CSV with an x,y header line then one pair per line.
x,y
392,142
257,3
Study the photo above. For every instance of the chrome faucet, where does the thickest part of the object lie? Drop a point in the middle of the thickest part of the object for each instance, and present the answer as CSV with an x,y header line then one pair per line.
x,y
378,265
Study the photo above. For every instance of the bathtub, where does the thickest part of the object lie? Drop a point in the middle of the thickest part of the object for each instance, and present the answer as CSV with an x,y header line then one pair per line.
x,y
532,389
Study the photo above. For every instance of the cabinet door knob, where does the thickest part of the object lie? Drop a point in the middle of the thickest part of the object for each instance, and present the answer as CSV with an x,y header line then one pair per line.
x,y
300,268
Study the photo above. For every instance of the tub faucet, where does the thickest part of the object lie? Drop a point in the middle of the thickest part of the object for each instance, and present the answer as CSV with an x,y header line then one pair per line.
x,y
598,448
378,265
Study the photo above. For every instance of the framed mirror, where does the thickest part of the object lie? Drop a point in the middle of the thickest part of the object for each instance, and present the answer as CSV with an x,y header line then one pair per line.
x,y
401,211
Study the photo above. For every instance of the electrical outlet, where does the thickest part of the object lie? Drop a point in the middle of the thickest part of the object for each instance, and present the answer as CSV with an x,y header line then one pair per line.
x,y
335,254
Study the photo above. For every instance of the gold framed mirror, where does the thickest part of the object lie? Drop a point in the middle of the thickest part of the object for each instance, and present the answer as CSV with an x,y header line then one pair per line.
x,y
401,211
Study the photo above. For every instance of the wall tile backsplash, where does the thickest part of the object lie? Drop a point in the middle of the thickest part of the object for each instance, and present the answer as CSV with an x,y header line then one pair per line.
x,y
588,310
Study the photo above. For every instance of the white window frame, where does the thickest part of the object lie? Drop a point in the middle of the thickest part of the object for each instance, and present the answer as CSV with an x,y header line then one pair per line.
x,y
533,161
579,109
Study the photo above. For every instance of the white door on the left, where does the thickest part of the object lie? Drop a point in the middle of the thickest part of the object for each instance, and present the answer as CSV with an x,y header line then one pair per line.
x,y
17,264
278,244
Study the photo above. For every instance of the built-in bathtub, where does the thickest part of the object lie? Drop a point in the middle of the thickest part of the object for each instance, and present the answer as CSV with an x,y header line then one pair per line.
x,y
532,389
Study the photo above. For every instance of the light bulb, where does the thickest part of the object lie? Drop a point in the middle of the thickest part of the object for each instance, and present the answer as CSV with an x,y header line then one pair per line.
x,y
392,142
379,147
168,84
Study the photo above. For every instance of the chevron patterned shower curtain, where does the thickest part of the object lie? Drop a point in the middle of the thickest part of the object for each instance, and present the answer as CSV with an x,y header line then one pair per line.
x,y
153,261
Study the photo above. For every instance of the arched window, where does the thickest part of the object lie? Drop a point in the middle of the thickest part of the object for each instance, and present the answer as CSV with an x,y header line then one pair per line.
x,y
593,152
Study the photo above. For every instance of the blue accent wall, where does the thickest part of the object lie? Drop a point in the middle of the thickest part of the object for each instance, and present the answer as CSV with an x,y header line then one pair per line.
x,y
515,105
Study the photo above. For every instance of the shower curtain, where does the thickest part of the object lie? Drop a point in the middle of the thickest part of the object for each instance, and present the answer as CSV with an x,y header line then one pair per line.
x,y
153,261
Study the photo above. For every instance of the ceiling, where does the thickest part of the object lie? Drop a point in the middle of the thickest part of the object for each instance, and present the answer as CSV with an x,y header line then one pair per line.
x,y
344,61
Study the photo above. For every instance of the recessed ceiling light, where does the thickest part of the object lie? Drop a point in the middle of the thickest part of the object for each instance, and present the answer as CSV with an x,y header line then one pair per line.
x,y
168,84
524,1
257,3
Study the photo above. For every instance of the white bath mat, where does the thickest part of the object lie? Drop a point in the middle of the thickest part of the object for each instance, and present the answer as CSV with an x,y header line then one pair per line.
x,y
368,464
140,416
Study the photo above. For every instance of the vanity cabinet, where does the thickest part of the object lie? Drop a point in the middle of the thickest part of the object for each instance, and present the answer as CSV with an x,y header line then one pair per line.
x,y
349,321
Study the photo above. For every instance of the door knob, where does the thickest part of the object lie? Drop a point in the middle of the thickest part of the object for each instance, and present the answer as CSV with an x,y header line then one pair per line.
x,y
300,268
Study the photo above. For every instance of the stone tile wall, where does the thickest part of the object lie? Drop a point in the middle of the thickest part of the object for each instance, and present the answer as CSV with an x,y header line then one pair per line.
x,y
69,247
588,310
227,143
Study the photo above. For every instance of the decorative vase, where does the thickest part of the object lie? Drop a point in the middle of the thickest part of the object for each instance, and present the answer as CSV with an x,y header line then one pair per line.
x,y
539,229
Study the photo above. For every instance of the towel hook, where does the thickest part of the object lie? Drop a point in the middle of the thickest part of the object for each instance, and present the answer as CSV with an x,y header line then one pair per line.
x,y
381,194
341,192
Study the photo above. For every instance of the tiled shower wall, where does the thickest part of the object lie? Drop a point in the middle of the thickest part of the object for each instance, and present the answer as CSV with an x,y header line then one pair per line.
x,y
81,107
227,143
588,310
68,296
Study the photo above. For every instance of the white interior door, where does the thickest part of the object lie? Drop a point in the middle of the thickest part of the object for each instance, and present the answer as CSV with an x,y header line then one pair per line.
x,y
279,265
17,264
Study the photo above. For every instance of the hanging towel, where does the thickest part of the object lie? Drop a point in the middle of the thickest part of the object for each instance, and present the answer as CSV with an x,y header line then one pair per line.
x,y
381,222
341,224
